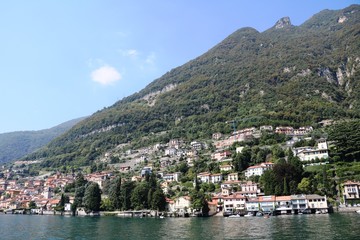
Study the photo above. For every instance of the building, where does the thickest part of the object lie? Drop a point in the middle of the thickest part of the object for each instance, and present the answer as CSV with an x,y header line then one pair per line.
x,y
171,151
197,145
181,205
266,128
171,177
233,177
312,153
284,130
220,155
217,136
303,130
267,203
146,170
235,203
252,205
351,191
283,205
210,178
226,167
317,203
250,189
299,203
258,170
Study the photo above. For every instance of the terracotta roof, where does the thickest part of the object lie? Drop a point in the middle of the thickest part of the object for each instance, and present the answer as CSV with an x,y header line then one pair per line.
x,y
270,198
283,198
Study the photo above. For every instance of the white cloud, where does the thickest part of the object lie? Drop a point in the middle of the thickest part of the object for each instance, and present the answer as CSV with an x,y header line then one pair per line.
x,y
151,59
132,53
105,75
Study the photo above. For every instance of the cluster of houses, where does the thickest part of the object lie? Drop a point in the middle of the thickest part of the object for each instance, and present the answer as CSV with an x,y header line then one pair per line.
x,y
250,201
246,197
17,194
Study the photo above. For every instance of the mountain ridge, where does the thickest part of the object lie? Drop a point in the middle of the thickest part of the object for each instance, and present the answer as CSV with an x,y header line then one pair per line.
x,y
15,145
290,75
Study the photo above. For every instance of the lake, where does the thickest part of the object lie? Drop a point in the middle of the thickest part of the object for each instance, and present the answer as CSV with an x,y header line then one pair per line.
x,y
325,226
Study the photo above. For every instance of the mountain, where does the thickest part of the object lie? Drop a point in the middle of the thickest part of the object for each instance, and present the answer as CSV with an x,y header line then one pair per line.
x,y
288,74
15,145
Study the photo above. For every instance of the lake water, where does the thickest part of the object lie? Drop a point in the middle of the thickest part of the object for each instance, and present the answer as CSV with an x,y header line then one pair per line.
x,y
332,226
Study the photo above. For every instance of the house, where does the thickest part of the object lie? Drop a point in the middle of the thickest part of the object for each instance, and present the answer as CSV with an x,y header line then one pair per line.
x,y
312,153
170,151
317,203
217,136
284,130
98,177
208,177
220,155
268,128
197,145
351,191
226,167
250,189
303,130
180,205
252,204
235,203
231,184
258,170
172,177
283,204
239,149
299,203
216,178
267,203
175,143
233,177
146,170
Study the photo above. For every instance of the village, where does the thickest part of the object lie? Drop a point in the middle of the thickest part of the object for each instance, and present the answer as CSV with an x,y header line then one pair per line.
x,y
236,194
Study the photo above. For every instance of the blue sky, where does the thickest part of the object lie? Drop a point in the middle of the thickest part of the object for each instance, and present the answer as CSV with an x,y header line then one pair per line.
x,y
61,60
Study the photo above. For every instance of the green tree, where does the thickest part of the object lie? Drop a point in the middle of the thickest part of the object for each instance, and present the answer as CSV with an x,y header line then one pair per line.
x,y
304,186
115,193
32,205
139,196
199,202
158,200
92,197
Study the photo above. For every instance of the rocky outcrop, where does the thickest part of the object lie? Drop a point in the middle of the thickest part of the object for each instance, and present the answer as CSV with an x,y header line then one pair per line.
x,y
283,22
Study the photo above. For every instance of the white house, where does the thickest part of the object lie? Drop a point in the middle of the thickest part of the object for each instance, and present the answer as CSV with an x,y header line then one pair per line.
x,y
171,151
317,202
351,191
252,204
258,170
180,205
172,177
208,177
283,204
234,203
312,153
233,177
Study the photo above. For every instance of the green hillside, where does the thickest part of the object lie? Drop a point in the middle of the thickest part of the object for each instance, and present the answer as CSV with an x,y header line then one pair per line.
x,y
296,75
14,145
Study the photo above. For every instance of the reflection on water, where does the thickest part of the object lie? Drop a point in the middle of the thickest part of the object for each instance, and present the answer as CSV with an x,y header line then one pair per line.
x,y
334,226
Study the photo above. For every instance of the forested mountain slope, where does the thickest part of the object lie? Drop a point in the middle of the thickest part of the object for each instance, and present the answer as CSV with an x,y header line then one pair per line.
x,y
296,75
14,145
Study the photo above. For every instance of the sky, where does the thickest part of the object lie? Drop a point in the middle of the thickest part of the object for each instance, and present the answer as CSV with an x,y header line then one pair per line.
x,y
60,60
